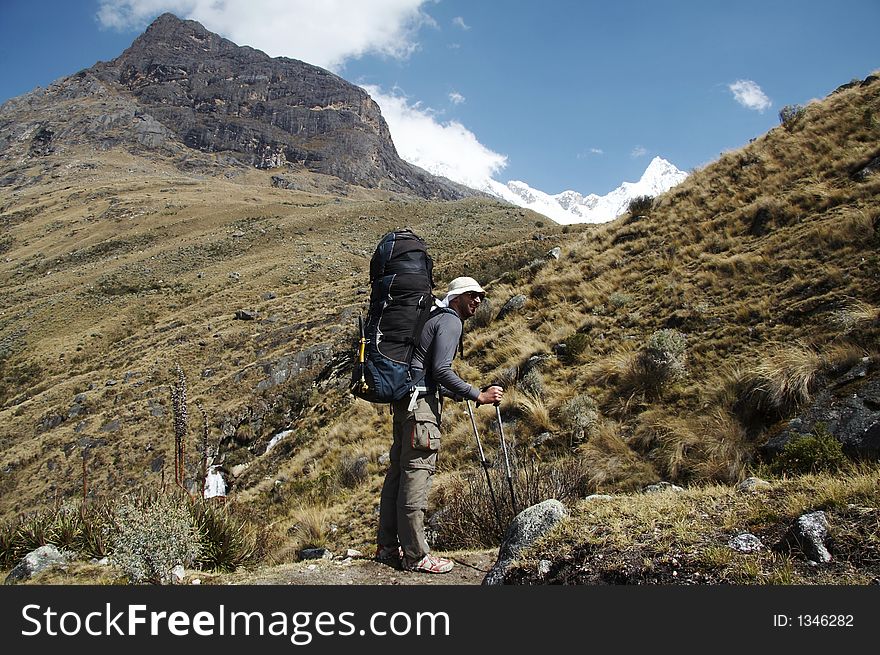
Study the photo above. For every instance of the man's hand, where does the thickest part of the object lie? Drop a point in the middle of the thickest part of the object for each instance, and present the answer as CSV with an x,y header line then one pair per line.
x,y
491,395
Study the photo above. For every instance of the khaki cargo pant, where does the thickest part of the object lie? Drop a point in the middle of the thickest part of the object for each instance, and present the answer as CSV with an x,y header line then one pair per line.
x,y
413,457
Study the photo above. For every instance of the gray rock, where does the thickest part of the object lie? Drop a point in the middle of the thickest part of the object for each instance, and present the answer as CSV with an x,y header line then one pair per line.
x,y
36,561
808,535
315,553
752,484
245,315
661,487
541,438
745,543
555,253
868,170
526,527
848,407
515,304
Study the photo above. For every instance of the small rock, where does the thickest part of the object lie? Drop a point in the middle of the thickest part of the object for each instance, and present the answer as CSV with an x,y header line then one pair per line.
x,y
315,553
245,315
745,543
661,487
752,484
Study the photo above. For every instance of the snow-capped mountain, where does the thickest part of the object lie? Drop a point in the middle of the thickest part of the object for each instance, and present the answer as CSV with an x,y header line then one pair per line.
x,y
572,207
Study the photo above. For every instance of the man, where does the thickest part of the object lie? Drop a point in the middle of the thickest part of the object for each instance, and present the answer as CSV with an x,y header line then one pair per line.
x,y
417,432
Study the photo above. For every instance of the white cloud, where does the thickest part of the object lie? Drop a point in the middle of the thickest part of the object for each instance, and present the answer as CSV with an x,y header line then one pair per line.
x,y
325,33
458,21
638,151
749,95
456,98
447,149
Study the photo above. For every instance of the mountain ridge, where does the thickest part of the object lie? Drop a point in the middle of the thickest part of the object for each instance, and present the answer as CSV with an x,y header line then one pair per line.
x,y
569,207
179,84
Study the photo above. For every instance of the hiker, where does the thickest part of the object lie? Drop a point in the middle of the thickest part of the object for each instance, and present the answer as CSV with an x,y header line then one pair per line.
x,y
416,431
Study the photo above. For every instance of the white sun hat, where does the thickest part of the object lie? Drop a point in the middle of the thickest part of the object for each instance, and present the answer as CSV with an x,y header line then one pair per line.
x,y
462,285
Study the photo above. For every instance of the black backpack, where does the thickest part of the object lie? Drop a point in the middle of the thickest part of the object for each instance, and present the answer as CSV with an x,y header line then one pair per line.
x,y
401,299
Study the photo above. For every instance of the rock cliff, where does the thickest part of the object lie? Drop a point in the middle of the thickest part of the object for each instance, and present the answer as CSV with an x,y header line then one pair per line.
x,y
179,84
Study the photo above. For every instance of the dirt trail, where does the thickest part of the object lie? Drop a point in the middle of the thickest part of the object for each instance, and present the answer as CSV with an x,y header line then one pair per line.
x,y
470,569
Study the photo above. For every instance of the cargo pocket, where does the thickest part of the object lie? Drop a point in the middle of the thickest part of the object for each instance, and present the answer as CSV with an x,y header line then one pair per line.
x,y
425,431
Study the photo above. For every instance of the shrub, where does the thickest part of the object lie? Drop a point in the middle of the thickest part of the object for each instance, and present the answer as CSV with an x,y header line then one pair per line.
x,y
790,115
812,453
466,516
152,535
619,299
532,383
662,359
580,417
640,205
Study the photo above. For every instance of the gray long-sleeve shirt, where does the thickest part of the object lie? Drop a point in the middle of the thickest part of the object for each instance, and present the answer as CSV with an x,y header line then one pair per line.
x,y
435,352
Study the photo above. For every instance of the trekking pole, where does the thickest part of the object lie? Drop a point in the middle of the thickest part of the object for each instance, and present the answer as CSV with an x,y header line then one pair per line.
x,y
485,464
362,344
506,460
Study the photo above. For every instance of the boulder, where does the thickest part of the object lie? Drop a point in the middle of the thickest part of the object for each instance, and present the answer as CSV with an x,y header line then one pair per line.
x,y
848,407
524,530
808,535
36,561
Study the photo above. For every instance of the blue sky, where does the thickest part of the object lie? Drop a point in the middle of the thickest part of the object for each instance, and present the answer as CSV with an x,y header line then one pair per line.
x,y
560,94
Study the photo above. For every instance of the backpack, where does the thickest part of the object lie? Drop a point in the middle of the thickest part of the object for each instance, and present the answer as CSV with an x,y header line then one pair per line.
x,y
401,300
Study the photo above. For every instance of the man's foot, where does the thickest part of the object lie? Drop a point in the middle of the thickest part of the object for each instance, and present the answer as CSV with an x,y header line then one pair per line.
x,y
389,555
429,564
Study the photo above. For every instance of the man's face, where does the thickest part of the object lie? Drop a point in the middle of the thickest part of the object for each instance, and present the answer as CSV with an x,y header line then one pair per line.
x,y
467,304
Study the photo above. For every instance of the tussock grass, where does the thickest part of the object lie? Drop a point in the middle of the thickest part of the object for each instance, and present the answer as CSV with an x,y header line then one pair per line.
x,y
311,526
682,537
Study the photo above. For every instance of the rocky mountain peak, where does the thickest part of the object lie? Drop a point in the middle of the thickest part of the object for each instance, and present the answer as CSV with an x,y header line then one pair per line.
x,y
196,90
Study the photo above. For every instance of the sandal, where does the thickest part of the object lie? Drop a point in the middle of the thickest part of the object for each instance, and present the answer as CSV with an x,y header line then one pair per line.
x,y
431,564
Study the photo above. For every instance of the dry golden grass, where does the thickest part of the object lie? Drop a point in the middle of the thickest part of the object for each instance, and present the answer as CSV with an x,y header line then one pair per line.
x,y
681,537
766,259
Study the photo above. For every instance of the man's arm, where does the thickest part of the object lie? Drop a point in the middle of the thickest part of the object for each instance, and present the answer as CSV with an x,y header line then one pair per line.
x,y
446,339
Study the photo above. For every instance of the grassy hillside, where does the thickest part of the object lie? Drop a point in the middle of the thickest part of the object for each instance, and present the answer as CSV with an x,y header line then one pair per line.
x,y
669,344
115,269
